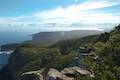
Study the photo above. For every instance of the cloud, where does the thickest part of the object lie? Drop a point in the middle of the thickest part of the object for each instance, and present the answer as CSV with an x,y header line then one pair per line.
x,y
84,12
81,13
94,4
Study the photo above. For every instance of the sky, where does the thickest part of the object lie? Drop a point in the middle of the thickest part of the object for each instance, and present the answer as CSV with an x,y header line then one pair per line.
x,y
58,12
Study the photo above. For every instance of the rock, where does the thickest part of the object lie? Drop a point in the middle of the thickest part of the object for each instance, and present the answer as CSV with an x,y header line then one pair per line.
x,y
33,75
54,74
67,78
72,70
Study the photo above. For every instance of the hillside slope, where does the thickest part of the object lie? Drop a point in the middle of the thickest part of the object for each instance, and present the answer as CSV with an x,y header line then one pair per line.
x,y
106,66
49,38
66,46
28,57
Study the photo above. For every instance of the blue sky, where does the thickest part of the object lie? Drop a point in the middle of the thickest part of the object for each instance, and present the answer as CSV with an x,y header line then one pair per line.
x,y
22,7
58,12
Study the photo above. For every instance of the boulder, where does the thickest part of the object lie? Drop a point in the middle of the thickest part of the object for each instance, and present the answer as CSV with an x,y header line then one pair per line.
x,y
33,75
54,74
72,70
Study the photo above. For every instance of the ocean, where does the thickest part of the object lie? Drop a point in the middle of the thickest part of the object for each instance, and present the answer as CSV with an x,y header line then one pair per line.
x,y
4,57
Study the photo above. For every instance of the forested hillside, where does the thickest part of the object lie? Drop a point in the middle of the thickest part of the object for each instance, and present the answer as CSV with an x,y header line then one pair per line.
x,y
66,46
105,66
49,38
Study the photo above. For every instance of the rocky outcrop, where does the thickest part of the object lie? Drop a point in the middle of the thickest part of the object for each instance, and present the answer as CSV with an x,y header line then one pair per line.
x,y
67,73
33,75
54,74
72,70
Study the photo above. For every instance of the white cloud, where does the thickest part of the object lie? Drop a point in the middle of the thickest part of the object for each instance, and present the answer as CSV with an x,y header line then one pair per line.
x,y
82,13
94,4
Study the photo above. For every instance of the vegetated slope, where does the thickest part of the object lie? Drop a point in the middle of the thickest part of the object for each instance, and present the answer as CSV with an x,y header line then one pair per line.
x,y
27,57
1,78
66,46
34,58
107,65
49,38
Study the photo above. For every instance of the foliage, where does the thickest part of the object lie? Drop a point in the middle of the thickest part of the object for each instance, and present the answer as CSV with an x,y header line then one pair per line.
x,y
68,45
107,66
29,58
82,77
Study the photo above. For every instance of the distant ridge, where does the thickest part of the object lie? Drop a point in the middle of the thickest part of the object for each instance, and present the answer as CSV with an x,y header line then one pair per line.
x,y
49,38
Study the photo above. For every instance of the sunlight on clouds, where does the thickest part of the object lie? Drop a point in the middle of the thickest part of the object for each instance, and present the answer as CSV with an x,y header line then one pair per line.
x,y
76,0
